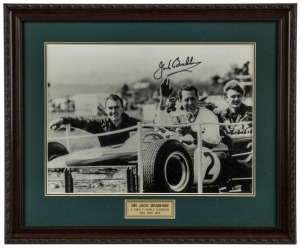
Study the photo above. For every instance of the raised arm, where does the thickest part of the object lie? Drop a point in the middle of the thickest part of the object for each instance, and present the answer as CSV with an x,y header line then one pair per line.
x,y
87,124
165,92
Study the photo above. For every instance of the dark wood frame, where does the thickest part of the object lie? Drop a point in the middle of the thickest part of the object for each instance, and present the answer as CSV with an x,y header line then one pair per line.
x,y
283,14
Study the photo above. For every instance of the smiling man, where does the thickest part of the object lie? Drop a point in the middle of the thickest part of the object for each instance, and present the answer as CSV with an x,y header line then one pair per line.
x,y
188,98
188,112
116,119
236,111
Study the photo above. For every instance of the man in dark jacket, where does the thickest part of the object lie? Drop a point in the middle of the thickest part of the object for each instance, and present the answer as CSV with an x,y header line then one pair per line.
x,y
115,120
236,111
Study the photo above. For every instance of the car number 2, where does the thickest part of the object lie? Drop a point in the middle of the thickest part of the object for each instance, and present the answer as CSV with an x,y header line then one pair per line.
x,y
210,166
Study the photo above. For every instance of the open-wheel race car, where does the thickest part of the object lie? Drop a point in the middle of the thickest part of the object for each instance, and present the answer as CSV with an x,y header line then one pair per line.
x,y
161,163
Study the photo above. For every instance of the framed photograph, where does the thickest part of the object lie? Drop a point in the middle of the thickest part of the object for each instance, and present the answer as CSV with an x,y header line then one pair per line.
x,y
150,123
86,93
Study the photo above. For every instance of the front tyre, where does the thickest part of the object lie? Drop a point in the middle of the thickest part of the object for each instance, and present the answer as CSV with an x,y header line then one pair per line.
x,y
167,167
55,150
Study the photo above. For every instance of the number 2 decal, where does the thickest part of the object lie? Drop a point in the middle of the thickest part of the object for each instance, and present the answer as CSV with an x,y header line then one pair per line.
x,y
210,166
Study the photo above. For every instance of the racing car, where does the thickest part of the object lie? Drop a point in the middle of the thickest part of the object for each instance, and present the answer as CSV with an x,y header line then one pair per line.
x,y
165,163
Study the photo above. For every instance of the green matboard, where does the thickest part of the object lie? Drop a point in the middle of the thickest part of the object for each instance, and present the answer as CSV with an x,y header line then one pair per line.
x,y
258,211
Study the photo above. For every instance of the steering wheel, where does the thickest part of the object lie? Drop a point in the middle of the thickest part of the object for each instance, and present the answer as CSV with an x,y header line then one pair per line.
x,y
153,135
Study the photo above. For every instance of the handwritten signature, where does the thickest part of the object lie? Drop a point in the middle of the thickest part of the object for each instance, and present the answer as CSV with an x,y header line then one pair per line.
x,y
176,63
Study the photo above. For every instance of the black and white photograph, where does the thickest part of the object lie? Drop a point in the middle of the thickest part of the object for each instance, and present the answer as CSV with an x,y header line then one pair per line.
x,y
150,118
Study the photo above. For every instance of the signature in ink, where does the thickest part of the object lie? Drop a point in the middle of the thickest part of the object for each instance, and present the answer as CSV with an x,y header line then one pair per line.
x,y
176,63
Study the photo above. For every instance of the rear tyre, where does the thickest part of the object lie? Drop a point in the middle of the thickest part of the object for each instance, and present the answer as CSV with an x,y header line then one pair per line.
x,y
55,150
167,167
247,159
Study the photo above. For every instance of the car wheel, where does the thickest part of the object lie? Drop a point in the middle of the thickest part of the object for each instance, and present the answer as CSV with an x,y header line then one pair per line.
x,y
55,150
247,159
167,167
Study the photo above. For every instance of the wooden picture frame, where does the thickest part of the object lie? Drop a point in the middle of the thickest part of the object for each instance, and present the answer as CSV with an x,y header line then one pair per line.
x,y
284,15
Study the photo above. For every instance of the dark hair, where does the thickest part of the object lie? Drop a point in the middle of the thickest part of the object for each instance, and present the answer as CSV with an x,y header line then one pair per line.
x,y
114,97
233,85
187,87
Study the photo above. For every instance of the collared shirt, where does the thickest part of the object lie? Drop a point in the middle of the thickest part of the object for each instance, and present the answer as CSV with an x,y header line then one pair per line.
x,y
211,133
103,125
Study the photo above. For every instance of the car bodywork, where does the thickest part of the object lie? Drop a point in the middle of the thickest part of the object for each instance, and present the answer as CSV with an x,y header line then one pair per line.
x,y
165,165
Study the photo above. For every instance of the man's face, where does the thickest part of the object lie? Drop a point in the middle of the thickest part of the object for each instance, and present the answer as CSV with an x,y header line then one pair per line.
x,y
114,109
233,98
189,101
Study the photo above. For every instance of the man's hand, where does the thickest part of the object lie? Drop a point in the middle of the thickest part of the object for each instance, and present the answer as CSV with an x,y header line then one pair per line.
x,y
183,130
238,129
165,90
248,130
187,139
55,124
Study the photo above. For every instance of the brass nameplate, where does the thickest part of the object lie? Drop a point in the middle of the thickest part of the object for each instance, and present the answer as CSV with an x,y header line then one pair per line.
x,y
150,209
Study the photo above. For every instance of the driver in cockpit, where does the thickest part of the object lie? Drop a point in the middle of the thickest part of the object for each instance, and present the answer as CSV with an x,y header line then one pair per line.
x,y
189,112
